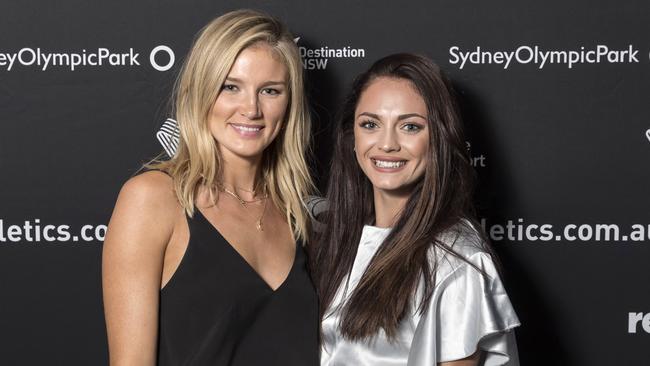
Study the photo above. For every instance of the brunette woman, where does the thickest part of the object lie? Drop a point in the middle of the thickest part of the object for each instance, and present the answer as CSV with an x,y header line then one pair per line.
x,y
203,261
403,272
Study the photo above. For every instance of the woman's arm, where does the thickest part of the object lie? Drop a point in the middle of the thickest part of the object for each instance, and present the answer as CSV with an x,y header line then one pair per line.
x,y
469,361
132,263
469,311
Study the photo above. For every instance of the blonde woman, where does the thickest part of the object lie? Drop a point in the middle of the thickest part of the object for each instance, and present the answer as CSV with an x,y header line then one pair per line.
x,y
203,261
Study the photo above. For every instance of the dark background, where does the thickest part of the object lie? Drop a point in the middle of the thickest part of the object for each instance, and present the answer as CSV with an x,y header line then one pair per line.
x,y
561,146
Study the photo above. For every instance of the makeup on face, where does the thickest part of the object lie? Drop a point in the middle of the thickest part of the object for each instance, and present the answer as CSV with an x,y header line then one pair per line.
x,y
250,108
391,134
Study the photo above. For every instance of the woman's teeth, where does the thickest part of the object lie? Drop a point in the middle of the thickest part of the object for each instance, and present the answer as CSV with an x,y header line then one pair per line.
x,y
248,129
388,164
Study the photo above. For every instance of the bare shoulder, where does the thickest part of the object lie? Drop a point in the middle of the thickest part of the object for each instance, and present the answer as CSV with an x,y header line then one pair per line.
x,y
139,232
152,188
146,205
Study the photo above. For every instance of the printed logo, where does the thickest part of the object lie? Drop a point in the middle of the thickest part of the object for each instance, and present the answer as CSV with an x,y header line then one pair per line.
x,y
170,53
318,58
477,161
633,320
34,231
647,134
44,60
517,230
168,135
541,57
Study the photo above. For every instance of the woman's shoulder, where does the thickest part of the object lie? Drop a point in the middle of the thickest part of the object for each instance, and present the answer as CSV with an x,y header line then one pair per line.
x,y
143,219
469,308
464,238
151,192
149,184
461,245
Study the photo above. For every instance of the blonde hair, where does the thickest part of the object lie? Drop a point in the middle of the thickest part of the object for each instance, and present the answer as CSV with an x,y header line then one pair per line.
x,y
197,161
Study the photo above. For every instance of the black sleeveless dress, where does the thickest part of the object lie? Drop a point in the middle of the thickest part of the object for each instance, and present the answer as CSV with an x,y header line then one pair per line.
x,y
216,310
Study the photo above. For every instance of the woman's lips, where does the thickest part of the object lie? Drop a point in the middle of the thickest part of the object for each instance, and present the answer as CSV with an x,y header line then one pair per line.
x,y
388,165
245,130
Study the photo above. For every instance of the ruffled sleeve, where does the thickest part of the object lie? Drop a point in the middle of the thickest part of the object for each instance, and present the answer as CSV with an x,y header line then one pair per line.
x,y
469,310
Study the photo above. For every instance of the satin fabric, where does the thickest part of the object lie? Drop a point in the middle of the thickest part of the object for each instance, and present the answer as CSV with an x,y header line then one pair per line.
x,y
468,311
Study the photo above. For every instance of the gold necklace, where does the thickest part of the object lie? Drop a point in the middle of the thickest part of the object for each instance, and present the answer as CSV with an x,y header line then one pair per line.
x,y
244,203
258,225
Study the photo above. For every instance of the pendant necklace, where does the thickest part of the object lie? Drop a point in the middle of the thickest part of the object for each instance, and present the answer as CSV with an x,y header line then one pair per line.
x,y
244,204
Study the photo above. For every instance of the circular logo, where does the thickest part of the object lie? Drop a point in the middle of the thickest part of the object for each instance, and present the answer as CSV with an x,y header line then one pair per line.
x,y
154,52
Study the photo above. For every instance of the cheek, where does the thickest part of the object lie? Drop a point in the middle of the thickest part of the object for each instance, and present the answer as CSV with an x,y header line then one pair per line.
x,y
359,153
421,151
363,142
276,109
356,139
418,147
358,148
221,106
218,117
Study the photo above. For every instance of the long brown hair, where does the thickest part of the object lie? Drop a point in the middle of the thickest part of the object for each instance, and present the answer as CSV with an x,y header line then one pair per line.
x,y
440,200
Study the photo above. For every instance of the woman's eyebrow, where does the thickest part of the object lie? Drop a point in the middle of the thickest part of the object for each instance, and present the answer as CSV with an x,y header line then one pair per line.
x,y
399,118
409,115
269,83
368,114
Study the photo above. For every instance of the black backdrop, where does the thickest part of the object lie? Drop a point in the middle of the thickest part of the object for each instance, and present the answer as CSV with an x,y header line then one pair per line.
x,y
562,148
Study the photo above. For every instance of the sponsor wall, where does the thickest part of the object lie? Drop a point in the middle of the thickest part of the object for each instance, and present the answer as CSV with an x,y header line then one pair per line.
x,y
554,95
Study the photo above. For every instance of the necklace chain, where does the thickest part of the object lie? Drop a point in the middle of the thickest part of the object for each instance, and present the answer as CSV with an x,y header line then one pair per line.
x,y
244,203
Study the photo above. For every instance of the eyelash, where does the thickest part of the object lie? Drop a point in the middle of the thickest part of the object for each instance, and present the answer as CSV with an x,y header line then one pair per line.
x,y
365,124
407,127
412,130
271,91
229,87
268,91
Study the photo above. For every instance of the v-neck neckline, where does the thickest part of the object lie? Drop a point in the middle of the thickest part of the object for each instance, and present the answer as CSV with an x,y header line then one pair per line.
x,y
246,263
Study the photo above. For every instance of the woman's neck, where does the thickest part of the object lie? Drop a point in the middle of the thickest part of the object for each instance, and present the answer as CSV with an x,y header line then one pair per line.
x,y
242,175
388,207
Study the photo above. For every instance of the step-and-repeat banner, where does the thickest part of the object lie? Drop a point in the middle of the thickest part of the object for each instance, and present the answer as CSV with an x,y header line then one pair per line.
x,y
555,96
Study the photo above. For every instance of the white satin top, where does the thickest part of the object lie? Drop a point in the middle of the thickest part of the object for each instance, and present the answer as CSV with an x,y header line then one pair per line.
x,y
468,311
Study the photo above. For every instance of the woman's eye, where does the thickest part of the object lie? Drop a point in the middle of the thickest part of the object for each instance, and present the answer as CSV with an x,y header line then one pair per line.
x,y
229,87
411,127
368,125
270,91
